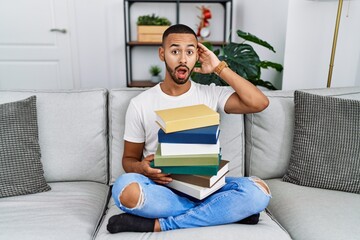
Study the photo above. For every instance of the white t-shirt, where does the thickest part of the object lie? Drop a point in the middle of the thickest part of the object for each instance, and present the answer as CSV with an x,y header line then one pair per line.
x,y
140,125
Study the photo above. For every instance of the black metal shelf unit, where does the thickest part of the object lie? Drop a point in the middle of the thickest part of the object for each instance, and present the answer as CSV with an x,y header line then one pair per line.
x,y
131,44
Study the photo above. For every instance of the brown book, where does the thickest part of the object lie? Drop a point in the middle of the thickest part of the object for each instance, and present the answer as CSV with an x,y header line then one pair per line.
x,y
194,190
204,181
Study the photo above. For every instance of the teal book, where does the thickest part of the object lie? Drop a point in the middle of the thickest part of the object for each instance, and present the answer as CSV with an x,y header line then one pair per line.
x,y
185,160
209,170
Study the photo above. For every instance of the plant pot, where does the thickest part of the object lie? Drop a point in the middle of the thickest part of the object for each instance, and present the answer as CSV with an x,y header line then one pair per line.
x,y
151,33
156,79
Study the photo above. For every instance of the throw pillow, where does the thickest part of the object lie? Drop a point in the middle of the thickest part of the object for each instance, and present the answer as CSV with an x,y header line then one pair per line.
x,y
326,145
21,171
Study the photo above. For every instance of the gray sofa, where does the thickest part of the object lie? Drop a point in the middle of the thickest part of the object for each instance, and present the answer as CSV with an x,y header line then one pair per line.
x,y
80,134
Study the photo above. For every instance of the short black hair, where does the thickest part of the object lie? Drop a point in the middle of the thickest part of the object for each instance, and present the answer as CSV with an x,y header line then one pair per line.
x,y
178,28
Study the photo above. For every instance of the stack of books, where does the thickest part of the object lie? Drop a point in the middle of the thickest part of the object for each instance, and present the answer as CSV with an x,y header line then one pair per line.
x,y
189,149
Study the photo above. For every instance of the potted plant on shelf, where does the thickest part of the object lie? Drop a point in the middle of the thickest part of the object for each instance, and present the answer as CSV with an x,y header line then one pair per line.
x,y
151,27
242,59
155,74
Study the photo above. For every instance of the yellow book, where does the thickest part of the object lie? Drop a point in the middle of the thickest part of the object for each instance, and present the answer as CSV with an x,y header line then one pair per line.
x,y
184,118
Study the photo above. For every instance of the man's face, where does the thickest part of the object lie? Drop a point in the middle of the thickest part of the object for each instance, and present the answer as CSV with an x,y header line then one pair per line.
x,y
179,52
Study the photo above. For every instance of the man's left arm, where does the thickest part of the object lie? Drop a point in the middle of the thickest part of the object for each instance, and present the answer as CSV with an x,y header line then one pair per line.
x,y
247,97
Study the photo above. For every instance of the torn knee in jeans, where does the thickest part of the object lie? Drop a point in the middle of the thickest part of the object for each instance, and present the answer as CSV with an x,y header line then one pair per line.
x,y
131,196
261,184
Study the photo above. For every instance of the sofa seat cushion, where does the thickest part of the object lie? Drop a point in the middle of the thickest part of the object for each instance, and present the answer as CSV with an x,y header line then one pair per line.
x,y
267,228
71,210
313,213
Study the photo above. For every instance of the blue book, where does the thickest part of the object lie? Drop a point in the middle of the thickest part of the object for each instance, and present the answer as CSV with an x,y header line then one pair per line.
x,y
204,135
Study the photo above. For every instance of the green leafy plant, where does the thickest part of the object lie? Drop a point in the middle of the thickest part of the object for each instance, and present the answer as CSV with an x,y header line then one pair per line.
x,y
152,20
243,59
155,70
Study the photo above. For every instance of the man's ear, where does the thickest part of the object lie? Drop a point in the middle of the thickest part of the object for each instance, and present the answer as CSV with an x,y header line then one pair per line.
x,y
162,54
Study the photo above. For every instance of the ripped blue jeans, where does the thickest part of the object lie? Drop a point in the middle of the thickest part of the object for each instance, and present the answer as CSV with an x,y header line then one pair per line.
x,y
238,199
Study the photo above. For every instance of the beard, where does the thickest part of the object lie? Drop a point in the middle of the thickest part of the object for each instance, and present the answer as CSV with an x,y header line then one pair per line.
x,y
172,73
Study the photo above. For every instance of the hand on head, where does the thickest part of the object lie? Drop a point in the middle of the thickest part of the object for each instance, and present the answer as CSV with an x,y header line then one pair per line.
x,y
209,61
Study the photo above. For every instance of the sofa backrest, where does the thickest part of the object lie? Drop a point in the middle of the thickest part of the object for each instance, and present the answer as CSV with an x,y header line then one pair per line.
x,y
231,134
72,133
119,100
269,134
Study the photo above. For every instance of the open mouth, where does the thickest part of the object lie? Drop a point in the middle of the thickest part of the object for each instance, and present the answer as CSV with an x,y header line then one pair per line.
x,y
181,72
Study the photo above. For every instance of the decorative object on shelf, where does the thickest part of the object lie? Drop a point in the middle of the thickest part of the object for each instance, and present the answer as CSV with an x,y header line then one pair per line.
x,y
242,59
204,25
151,27
155,73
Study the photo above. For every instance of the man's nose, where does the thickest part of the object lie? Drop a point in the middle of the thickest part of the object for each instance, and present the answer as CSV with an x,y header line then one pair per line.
x,y
183,59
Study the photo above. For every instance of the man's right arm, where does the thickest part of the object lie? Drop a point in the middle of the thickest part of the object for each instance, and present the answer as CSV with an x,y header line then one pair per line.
x,y
132,162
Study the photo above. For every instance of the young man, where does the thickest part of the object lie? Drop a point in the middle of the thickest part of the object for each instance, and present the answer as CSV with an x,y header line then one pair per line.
x,y
140,193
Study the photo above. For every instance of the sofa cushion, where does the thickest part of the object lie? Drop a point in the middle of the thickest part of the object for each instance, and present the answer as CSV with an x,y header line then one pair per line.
x,y
72,132
313,213
269,134
119,100
267,228
231,134
326,146
71,210
20,166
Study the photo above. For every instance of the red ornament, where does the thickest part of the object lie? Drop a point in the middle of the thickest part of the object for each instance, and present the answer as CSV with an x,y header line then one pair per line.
x,y
204,22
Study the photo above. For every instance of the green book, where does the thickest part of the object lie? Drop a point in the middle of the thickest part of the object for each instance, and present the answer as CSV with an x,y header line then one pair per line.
x,y
185,160
209,170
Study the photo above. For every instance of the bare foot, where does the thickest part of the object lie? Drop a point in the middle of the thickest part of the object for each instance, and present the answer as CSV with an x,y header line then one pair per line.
x,y
157,226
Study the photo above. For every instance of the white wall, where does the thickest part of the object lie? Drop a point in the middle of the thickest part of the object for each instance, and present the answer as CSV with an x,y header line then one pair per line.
x,y
309,41
268,21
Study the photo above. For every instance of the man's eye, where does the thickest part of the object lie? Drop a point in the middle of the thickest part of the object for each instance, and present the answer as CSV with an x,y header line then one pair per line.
x,y
190,52
175,51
